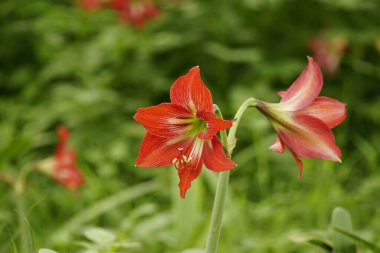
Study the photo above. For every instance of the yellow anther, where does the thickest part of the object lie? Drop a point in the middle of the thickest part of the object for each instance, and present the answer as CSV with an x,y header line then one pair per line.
x,y
174,160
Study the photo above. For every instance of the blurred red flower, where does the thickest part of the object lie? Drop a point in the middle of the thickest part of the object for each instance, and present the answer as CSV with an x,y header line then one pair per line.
x,y
183,132
328,52
90,4
135,12
303,120
65,171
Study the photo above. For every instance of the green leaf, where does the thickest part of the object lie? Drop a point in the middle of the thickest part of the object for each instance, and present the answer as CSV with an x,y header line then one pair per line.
x,y
46,251
358,239
99,236
341,219
193,251
318,241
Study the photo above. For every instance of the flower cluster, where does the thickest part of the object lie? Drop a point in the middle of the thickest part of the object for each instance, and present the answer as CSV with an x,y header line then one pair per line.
x,y
183,132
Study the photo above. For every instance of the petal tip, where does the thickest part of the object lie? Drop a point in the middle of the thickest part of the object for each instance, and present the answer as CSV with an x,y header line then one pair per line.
x,y
194,69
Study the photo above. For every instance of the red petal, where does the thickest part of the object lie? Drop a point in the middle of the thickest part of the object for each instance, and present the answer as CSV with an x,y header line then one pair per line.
x,y
165,120
214,125
63,136
299,163
277,146
305,89
69,177
281,93
309,137
190,170
186,176
189,91
159,151
214,157
330,111
65,171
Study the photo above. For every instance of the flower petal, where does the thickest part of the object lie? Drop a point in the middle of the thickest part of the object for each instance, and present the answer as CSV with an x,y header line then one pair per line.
x,y
305,89
158,151
63,136
299,163
186,176
214,157
277,146
189,91
330,111
309,137
69,177
213,124
165,120
190,169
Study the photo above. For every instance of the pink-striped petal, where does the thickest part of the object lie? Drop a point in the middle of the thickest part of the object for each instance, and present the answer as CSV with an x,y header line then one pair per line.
x,y
305,89
213,125
277,146
299,163
159,151
214,157
165,120
309,137
330,111
189,91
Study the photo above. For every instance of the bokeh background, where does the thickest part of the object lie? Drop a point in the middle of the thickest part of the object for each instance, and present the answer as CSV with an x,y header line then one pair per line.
x,y
88,68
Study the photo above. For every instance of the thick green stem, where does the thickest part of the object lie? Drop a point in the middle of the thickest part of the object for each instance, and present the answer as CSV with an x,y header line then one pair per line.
x,y
228,143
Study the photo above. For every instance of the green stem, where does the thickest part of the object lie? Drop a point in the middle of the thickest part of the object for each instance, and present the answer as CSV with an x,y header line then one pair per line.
x,y
21,216
228,143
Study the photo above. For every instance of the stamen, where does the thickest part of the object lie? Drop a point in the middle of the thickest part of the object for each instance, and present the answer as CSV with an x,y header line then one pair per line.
x,y
182,161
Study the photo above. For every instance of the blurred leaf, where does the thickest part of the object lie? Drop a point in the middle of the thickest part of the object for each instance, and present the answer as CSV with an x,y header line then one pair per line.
x,y
240,55
341,219
99,235
46,251
358,239
321,242
193,251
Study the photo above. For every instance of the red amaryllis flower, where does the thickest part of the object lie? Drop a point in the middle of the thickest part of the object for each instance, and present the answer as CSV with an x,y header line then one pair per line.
x,y
328,52
303,120
65,171
136,13
183,132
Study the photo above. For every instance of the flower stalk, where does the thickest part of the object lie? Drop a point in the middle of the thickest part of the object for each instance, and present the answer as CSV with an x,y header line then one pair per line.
x,y
228,143
21,215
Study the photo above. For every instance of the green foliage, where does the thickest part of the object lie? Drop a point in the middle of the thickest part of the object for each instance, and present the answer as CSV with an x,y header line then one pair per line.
x,y
358,239
60,65
341,219
343,238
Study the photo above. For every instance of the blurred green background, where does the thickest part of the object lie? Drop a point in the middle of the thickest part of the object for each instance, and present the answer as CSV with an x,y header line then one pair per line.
x,y
63,65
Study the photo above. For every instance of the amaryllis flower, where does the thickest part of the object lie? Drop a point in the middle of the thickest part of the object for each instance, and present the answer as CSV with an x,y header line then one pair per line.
x,y
62,167
183,133
328,52
303,120
65,170
137,13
